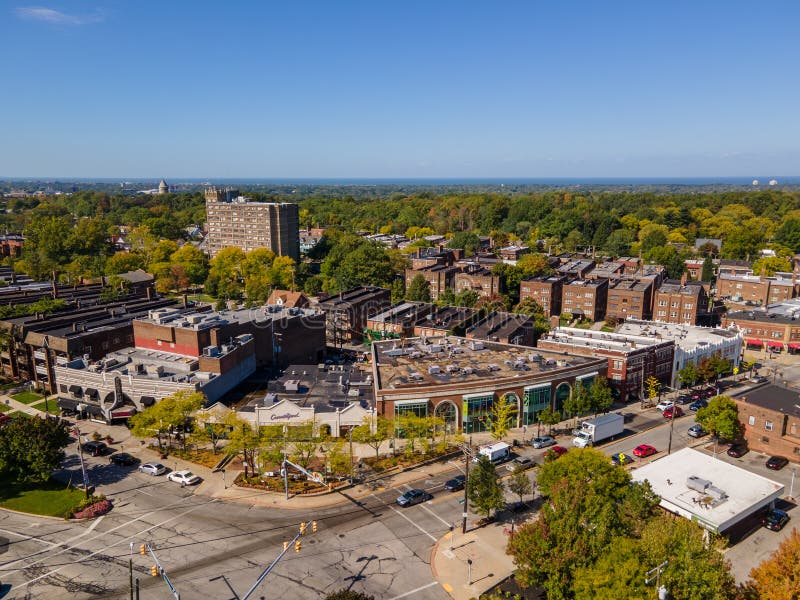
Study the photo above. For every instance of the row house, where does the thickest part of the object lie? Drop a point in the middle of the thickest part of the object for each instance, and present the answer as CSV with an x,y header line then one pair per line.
x,y
346,314
507,328
398,321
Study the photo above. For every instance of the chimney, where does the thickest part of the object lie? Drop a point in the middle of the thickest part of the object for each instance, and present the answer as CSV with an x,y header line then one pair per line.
x,y
149,293
683,280
184,300
74,326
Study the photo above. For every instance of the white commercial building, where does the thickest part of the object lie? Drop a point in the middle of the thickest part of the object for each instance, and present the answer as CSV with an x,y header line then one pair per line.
x,y
692,343
711,492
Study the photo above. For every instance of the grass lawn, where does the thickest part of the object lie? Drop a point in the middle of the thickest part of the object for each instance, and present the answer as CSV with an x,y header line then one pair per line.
x,y
52,407
51,498
4,408
27,397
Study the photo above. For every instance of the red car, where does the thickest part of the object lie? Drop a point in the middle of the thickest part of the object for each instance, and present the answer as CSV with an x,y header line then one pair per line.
x,y
644,450
676,409
555,452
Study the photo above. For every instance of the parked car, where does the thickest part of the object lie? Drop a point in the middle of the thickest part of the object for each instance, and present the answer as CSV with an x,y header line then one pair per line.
x,y
664,405
152,468
759,379
412,497
684,399
183,477
543,442
455,484
698,404
696,395
709,392
123,459
776,463
644,450
621,459
738,450
775,519
520,462
95,448
673,412
697,431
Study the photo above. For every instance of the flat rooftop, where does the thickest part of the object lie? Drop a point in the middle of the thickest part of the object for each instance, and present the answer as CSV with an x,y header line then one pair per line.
x,y
744,492
402,312
630,285
447,317
325,387
443,360
200,318
687,337
773,397
501,324
673,287
586,338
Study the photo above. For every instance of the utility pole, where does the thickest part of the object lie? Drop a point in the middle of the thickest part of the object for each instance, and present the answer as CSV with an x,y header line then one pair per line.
x,y
468,454
649,577
83,464
671,427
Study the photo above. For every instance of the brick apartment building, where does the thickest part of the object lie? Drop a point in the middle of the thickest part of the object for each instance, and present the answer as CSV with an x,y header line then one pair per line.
x,y
576,268
346,314
446,320
757,290
632,359
774,328
585,298
397,321
770,418
477,278
440,277
546,290
681,302
506,328
630,299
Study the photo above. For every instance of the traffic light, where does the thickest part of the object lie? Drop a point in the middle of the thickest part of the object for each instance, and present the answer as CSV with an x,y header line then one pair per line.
x,y
154,570
285,545
313,527
303,528
143,549
297,546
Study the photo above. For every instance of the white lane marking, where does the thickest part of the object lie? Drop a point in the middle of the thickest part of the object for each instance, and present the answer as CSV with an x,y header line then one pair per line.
x,y
30,537
419,589
446,524
412,522
88,530
96,552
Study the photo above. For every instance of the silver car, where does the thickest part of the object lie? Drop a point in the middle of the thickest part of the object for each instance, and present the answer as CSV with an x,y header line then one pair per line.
x,y
543,442
153,468
183,477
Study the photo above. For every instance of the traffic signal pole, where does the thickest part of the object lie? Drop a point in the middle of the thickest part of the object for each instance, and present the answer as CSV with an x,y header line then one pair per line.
x,y
157,569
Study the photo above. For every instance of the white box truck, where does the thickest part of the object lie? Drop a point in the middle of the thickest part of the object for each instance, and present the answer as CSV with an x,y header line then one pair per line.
x,y
496,453
598,429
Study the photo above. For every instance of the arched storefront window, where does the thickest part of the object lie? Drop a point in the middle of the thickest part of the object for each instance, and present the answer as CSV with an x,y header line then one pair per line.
x,y
448,413
475,410
563,392
536,398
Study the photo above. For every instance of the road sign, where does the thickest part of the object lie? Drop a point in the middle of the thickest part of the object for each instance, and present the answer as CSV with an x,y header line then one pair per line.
x,y
463,515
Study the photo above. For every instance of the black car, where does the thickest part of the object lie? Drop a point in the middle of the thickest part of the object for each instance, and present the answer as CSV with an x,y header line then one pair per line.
x,y
775,519
95,448
684,399
738,450
455,484
123,458
776,463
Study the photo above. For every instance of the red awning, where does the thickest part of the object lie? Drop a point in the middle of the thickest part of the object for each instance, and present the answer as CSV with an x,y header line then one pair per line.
x,y
754,342
794,345
121,414
772,344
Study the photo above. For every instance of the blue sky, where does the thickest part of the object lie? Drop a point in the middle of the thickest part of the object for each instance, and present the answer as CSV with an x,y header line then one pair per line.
x,y
399,89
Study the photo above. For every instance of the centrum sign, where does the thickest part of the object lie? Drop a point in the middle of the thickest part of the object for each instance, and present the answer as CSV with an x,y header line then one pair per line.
x,y
286,416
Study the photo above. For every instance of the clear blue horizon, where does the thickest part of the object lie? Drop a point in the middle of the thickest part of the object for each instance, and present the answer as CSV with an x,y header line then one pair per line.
x,y
391,91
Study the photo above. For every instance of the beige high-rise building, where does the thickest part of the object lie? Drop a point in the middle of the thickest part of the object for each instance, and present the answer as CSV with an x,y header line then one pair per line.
x,y
240,222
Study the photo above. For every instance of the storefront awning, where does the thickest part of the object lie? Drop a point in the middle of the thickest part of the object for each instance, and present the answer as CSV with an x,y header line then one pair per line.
x,y
67,404
754,342
91,393
76,389
122,414
775,344
147,400
794,346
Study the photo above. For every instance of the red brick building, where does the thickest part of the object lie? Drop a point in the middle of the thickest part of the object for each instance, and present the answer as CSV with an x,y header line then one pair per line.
x,y
630,299
477,278
770,418
585,298
680,302
546,290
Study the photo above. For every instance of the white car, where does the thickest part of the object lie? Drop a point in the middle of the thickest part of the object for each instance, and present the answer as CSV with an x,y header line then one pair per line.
x,y
152,468
664,405
183,477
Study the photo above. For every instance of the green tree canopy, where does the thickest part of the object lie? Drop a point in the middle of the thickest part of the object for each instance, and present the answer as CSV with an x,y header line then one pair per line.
x,y
484,488
720,417
419,290
31,448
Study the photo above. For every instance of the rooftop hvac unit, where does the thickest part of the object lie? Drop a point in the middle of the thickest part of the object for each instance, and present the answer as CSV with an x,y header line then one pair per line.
x,y
434,370
468,370
493,367
452,369
475,345
210,351
697,484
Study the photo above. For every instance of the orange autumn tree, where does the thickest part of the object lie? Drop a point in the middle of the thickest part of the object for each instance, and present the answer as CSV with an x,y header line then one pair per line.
x,y
778,577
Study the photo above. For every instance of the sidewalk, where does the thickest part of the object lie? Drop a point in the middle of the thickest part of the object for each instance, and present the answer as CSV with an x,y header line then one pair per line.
x,y
485,546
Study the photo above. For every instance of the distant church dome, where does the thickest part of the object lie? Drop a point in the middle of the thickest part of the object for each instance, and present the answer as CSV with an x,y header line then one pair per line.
x,y
163,188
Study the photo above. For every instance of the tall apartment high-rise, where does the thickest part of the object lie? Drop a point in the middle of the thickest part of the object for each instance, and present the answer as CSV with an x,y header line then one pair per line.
x,y
240,222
